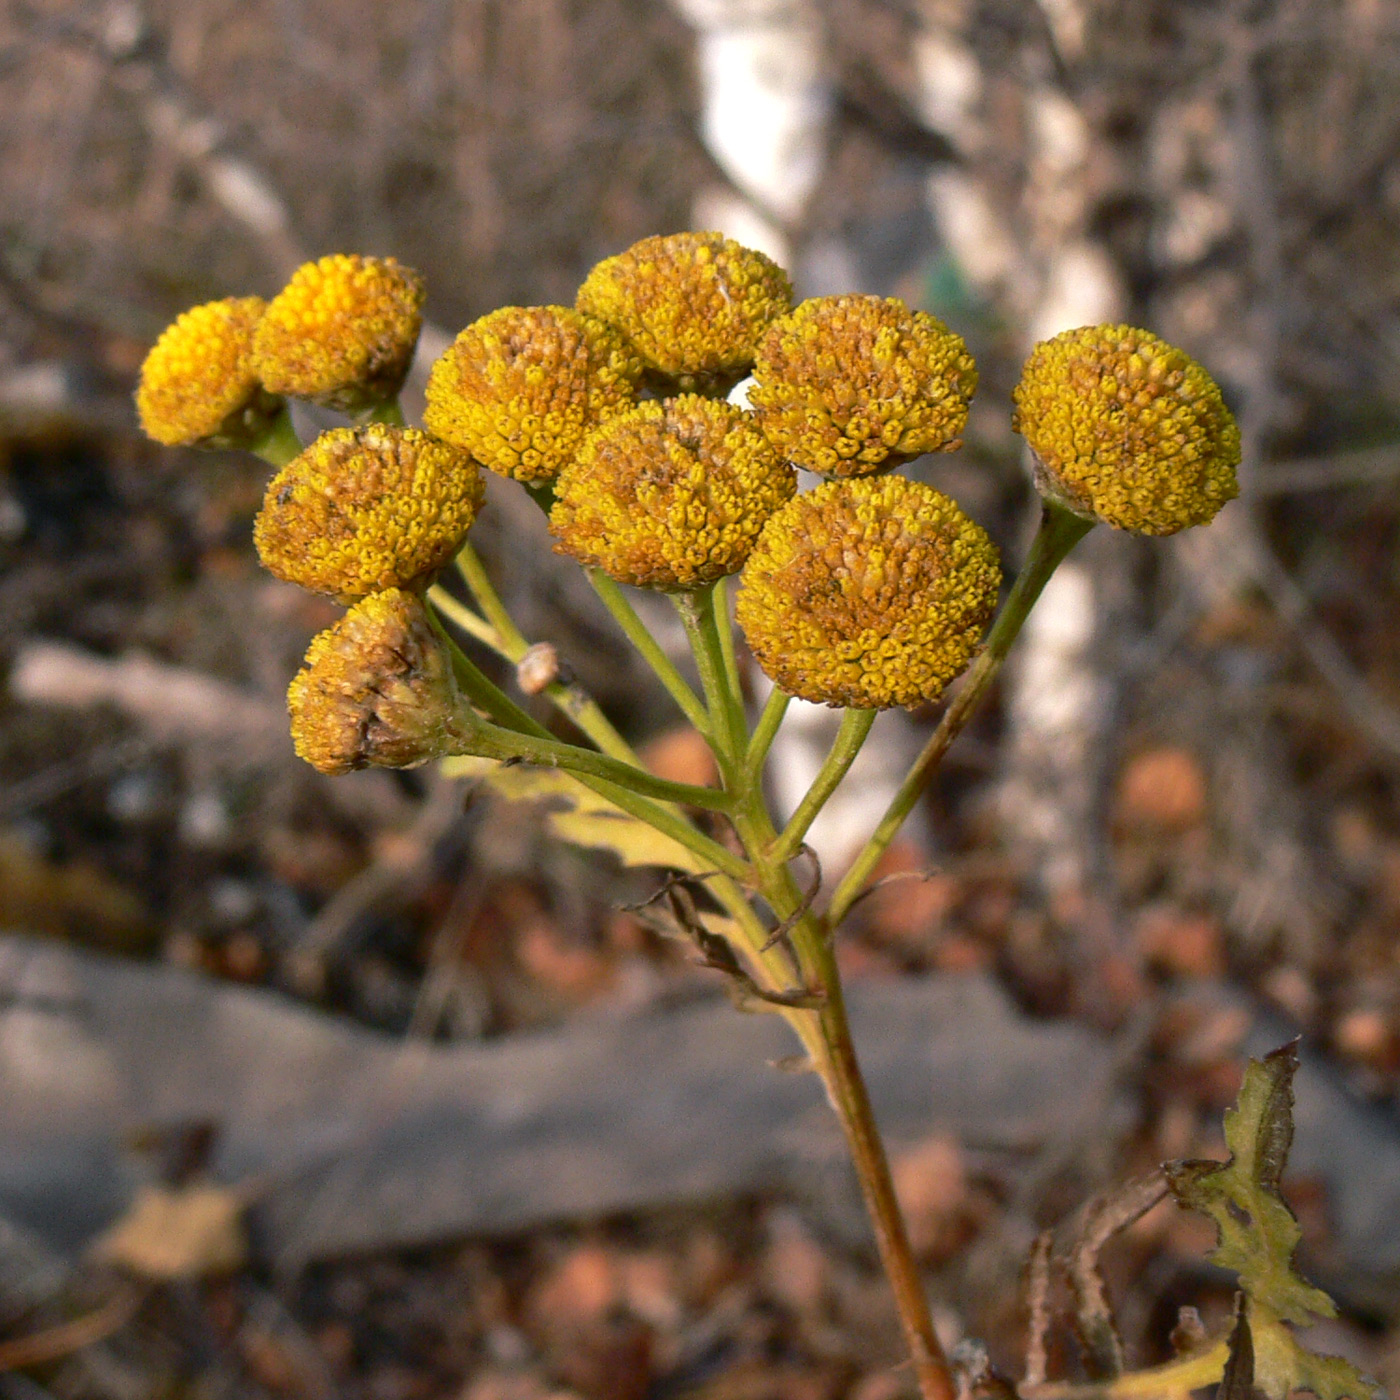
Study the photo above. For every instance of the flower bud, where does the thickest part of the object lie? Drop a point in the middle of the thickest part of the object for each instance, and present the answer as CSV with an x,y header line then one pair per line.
x,y
856,384
519,389
198,386
671,495
365,509
868,593
693,304
1127,429
377,691
341,333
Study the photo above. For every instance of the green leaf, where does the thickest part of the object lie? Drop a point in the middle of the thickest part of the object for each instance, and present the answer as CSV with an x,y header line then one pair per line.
x,y
578,815
1257,1232
1257,1236
1282,1363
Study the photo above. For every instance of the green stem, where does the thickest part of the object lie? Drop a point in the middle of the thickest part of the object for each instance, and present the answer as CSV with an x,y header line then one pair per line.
x,y
855,726
768,967
769,722
840,1072
1059,532
725,626
489,697
728,732
506,639
386,411
460,615
834,1058
635,630
281,443
474,573
492,741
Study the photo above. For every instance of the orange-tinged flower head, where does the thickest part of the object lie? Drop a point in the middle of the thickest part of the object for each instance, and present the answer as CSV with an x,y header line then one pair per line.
x,y
868,593
341,332
669,495
519,389
376,690
365,509
198,385
1127,429
693,304
850,385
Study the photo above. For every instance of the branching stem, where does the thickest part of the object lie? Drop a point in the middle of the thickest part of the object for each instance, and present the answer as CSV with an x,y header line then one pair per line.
x,y
281,443
677,687
1059,532
855,727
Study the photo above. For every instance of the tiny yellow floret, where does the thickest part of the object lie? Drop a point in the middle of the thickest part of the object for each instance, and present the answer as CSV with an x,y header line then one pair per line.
x,y
341,332
376,691
1127,429
670,495
364,509
868,593
198,385
520,388
850,385
693,304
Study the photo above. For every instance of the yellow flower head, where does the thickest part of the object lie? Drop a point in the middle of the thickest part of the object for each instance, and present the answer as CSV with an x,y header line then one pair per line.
x,y
364,509
341,332
1128,429
855,384
520,388
198,385
693,304
376,691
868,593
670,495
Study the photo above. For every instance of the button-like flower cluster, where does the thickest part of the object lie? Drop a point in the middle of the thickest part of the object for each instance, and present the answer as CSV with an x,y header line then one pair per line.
x,y
1127,429
198,385
693,304
868,593
342,332
520,388
364,509
857,384
376,691
671,495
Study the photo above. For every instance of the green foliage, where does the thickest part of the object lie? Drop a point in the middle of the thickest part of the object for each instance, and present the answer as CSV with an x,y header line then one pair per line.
x,y
1257,1235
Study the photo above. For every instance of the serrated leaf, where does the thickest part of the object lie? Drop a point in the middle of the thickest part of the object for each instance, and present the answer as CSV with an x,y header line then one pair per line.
x,y
1257,1236
1282,1363
1257,1233
578,814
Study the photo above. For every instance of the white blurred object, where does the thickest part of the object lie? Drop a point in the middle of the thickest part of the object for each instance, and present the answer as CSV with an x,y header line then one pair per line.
x,y
766,102
1055,710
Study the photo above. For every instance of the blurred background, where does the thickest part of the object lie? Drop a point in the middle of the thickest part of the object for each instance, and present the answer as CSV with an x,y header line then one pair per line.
x,y
1172,837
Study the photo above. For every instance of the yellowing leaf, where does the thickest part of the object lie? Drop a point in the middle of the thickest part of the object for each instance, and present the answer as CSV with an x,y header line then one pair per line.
x,y
178,1232
1257,1236
578,814
1257,1231
1282,1363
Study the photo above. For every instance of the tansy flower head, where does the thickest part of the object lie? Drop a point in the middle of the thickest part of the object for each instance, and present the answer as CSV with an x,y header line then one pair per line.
x,y
376,690
868,593
693,304
341,332
854,384
520,388
1127,428
670,495
198,385
364,509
